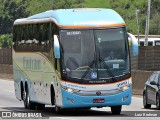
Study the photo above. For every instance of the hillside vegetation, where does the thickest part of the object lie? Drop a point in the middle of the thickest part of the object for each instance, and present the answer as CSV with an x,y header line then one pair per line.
x,y
14,9
127,8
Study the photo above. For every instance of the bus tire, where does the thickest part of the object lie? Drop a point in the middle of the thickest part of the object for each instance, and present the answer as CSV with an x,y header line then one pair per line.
x,y
22,89
40,106
26,99
52,95
116,110
86,108
58,110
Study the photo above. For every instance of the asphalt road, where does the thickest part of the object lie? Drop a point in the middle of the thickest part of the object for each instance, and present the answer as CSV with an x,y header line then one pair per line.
x,y
8,102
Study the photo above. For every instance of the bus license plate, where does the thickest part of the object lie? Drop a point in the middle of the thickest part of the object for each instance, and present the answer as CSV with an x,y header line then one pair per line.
x,y
98,100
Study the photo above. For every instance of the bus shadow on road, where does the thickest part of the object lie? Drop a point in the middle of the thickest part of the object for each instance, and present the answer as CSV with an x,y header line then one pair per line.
x,y
81,112
50,112
150,109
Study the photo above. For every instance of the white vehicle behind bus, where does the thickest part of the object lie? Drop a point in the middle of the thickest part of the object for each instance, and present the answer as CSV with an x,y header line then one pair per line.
x,y
151,41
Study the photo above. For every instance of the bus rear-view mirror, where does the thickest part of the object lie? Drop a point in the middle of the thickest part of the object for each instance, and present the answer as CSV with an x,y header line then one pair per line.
x,y
56,47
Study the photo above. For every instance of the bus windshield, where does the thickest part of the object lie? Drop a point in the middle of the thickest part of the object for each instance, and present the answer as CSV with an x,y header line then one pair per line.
x,y
94,56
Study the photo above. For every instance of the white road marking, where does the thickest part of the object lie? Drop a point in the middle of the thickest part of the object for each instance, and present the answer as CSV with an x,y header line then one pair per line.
x,y
137,97
64,118
7,91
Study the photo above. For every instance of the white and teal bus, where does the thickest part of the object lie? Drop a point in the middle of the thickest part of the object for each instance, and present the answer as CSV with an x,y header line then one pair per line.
x,y
72,58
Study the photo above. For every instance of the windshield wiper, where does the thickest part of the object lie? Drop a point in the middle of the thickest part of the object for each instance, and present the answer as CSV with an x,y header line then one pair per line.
x,y
108,71
84,75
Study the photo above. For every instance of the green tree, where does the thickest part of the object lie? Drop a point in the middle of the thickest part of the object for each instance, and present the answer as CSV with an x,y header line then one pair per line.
x,y
6,41
126,8
10,11
37,6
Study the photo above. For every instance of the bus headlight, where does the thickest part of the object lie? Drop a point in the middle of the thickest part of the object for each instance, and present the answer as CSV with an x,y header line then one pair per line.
x,y
69,89
124,88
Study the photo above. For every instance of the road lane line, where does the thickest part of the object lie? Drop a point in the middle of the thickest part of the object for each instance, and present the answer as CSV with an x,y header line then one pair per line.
x,y
7,91
137,97
64,118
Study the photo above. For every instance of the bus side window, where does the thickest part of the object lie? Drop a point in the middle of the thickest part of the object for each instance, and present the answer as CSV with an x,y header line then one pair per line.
x,y
28,44
46,32
14,37
23,38
48,38
19,34
17,37
40,37
35,41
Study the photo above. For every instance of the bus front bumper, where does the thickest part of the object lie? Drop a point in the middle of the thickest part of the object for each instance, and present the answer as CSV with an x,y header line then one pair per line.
x,y
71,100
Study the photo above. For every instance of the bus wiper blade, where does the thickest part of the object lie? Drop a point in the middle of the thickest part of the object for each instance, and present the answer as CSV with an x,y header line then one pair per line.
x,y
84,75
107,69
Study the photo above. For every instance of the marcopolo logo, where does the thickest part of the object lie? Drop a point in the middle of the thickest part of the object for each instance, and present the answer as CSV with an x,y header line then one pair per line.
x,y
122,84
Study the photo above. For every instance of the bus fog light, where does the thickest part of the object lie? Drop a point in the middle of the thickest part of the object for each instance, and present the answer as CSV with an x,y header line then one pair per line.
x,y
125,98
71,100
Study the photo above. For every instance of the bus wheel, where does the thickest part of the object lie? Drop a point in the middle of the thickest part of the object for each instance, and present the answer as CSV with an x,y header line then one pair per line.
x,y
53,99
57,109
86,108
40,106
27,103
116,110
